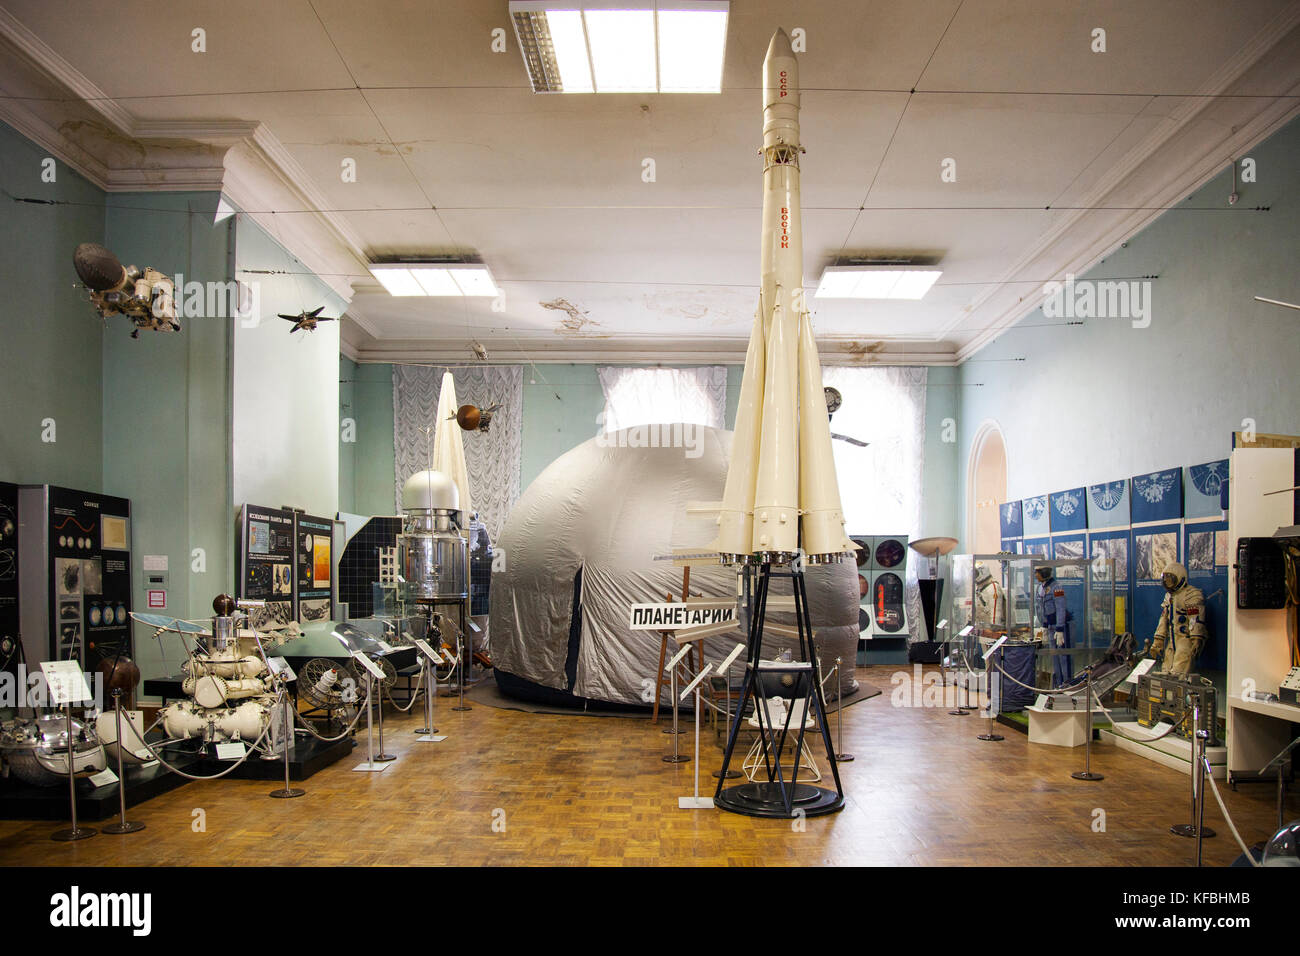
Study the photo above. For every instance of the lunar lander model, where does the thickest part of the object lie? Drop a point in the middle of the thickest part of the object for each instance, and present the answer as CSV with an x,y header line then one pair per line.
x,y
228,679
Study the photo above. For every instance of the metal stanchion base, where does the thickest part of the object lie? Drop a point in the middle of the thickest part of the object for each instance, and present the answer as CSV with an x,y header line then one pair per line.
x,y
431,738
425,730
844,758
368,767
959,713
676,758
283,794
1189,830
125,827
669,730
990,737
695,803
461,708
1086,775
385,757
73,833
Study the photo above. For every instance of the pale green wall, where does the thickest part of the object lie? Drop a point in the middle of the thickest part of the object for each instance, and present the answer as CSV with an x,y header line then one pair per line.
x,y
1105,400
366,464
285,424
166,407
52,338
939,491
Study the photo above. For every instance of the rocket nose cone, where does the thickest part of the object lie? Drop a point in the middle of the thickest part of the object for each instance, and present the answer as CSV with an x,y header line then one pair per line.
x,y
780,45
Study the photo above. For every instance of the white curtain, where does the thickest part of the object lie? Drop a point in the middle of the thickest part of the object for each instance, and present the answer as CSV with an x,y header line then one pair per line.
x,y
880,485
659,396
492,457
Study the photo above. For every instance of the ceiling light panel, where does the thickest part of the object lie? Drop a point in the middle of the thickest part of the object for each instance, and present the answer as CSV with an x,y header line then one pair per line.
x,y
677,46
876,282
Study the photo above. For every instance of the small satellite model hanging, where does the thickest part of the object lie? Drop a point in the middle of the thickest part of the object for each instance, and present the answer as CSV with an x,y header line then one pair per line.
x,y
146,297
833,402
307,321
472,418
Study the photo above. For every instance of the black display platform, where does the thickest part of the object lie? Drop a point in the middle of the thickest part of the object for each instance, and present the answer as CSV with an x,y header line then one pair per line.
x,y
22,801
308,757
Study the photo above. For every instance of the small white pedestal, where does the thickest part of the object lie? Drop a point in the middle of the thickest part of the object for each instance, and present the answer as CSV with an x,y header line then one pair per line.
x,y
1057,728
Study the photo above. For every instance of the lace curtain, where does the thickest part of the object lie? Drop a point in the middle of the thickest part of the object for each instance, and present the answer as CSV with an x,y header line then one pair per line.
x,y
492,457
880,485
658,396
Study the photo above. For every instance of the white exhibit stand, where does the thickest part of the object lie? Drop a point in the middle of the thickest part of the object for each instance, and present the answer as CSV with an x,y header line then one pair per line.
x,y
1058,728
695,802
67,684
429,734
373,675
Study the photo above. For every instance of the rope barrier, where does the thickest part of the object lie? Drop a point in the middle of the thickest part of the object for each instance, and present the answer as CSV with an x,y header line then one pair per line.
x,y
1231,826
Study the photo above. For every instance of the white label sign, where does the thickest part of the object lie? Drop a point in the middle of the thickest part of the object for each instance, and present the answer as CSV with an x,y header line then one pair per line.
x,y
280,667
67,682
368,664
1142,668
670,616
426,650
103,778
232,751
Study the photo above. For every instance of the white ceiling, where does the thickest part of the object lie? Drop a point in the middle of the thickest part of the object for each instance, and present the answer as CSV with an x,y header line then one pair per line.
x,y
548,189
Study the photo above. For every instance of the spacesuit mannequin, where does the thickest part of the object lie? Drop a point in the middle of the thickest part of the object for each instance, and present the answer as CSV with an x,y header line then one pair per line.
x,y
1055,617
1180,622
987,598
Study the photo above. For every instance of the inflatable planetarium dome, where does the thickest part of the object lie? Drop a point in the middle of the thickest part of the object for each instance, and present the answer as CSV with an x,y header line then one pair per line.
x,y
580,548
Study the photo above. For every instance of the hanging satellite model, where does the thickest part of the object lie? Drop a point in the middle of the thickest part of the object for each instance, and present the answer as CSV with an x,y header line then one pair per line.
x,y
471,418
147,298
307,321
781,493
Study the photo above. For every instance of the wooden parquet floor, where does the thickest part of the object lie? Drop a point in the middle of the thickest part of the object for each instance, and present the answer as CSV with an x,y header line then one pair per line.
x,y
509,788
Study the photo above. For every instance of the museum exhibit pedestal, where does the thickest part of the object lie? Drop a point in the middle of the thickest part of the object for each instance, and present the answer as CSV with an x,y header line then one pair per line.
x,y
308,757
21,801
1057,728
1172,751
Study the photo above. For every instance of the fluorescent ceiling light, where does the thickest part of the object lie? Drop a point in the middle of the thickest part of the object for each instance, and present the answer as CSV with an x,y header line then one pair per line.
x,y
876,282
691,47
435,279
585,46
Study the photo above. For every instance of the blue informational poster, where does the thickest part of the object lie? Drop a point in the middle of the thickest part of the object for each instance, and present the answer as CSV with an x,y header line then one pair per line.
x,y
1104,546
1153,547
1041,546
1158,496
1108,505
1205,544
1068,547
1201,485
1068,510
1009,517
1036,521
1014,545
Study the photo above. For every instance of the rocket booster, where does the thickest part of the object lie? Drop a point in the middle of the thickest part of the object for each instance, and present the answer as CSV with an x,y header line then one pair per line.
x,y
781,479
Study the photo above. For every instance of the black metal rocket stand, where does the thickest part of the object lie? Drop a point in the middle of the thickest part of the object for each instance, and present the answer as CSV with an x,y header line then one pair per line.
x,y
777,796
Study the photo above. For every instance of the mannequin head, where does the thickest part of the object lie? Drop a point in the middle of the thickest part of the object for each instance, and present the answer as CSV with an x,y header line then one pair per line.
x,y
1043,574
1174,577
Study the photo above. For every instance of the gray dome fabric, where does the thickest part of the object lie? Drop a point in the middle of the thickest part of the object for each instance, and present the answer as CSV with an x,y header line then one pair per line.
x,y
609,511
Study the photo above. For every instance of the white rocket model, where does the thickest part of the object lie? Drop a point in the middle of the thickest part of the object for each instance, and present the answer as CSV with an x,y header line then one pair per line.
x,y
448,447
782,475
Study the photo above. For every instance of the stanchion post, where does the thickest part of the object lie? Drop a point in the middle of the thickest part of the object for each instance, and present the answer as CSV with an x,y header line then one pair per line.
x,y
287,792
1192,829
123,825
675,757
370,766
1086,773
988,690
74,832
842,756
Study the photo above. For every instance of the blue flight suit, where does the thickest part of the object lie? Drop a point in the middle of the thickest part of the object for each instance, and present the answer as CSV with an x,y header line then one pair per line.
x,y
1056,618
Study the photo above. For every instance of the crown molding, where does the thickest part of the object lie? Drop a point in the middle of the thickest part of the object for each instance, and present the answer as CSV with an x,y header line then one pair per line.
x,y
1176,158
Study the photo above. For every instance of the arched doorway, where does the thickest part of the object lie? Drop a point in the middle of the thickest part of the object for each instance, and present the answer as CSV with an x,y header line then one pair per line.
x,y
986,488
